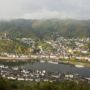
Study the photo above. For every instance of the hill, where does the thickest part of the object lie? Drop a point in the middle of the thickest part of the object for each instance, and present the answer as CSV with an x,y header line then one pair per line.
x,y
45,28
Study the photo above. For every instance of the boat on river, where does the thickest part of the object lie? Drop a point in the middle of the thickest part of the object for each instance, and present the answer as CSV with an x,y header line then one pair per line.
x,y
79,66
42,61
53,62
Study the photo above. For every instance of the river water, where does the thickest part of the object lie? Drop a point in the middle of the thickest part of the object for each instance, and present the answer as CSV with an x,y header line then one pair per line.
x,y
62,68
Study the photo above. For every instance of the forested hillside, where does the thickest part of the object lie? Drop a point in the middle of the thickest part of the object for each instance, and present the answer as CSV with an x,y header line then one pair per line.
x,y
45,28
26,85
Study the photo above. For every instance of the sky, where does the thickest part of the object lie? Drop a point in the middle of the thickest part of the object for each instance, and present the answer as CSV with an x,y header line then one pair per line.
x,y
44,9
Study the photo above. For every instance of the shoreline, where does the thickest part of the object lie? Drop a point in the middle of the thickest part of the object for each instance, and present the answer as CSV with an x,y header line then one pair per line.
x,y
75,63
14,58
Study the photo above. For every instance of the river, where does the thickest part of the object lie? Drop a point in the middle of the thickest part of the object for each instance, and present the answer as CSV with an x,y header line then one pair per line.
x,y
62,68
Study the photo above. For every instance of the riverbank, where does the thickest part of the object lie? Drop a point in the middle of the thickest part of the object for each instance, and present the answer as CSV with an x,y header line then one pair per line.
x,y
56,61
75,62
14,58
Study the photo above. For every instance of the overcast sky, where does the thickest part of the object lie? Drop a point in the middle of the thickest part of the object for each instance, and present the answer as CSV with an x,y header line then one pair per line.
x,y
44,9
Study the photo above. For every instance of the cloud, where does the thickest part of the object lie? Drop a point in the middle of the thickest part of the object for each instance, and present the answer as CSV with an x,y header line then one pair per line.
x,y
10,9
47,14
44,9
42,14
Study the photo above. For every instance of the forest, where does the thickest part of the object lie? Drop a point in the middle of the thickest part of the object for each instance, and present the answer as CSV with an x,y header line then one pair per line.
x,y
27,85
45,29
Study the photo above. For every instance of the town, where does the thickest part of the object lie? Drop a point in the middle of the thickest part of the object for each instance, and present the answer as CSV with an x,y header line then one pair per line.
x,y
22,74
58,50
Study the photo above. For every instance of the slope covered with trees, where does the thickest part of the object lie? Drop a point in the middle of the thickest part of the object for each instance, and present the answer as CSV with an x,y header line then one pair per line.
x,y
45,28
27,85
10,46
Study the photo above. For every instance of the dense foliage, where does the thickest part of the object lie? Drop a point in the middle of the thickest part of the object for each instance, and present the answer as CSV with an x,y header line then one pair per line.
x,y
10,46
26,85
46,28
17,47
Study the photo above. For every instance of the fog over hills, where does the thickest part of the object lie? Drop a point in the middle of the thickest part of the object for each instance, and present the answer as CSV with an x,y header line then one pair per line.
x,y
50,28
